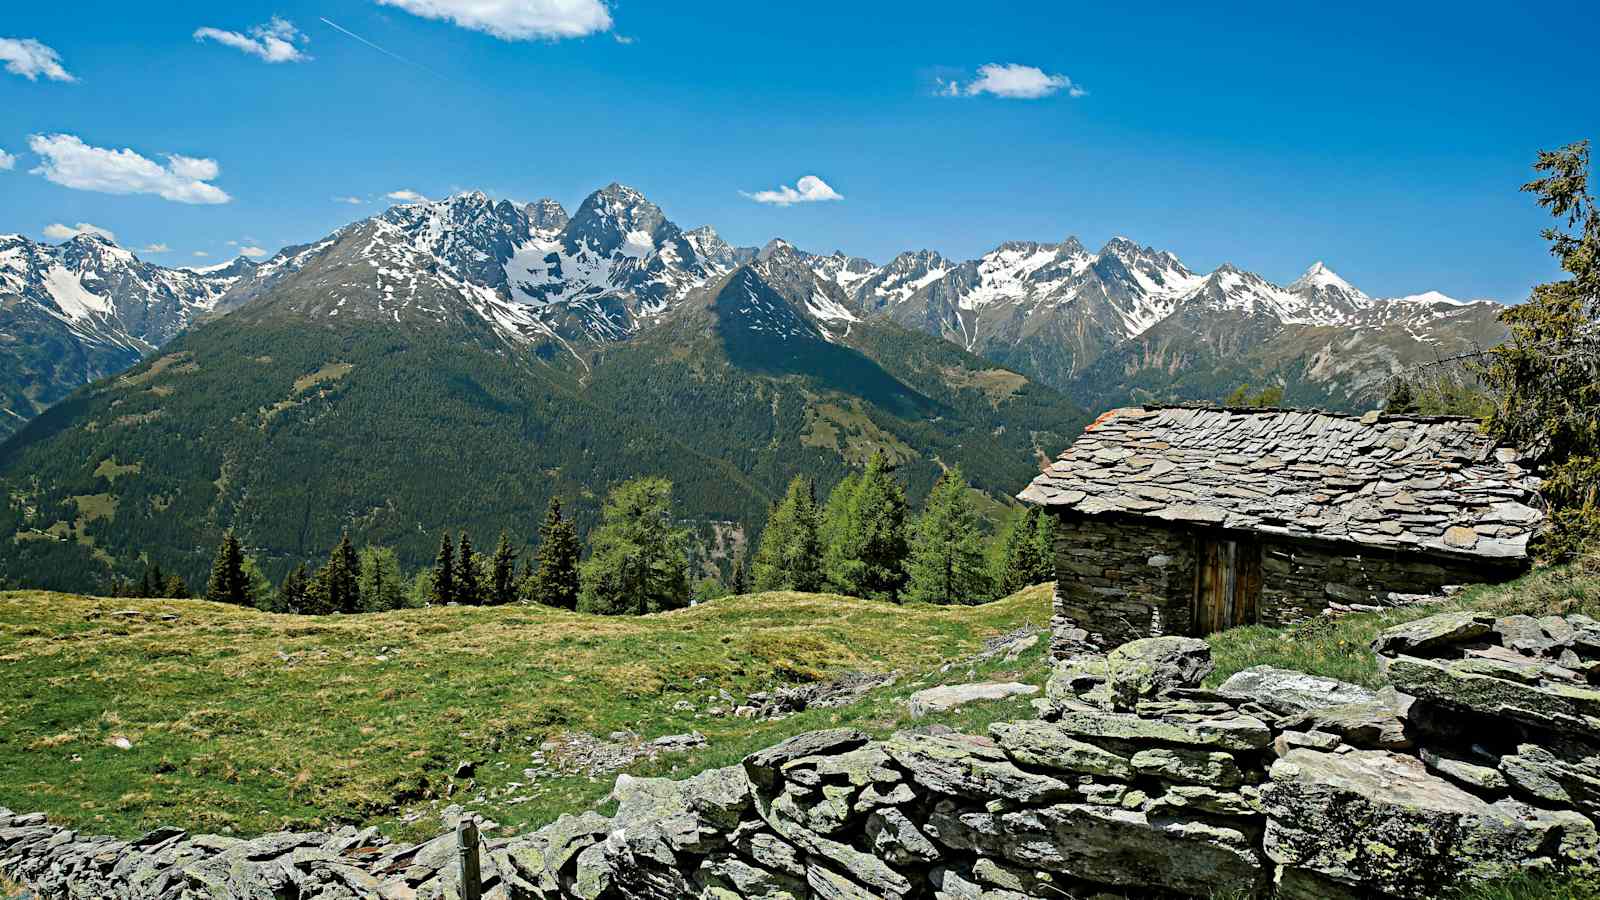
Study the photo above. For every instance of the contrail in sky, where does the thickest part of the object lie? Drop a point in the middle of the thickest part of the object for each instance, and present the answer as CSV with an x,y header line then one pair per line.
x,y
390,53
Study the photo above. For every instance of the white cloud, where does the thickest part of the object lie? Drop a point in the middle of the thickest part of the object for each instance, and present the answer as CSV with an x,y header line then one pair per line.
x,y
201,253
69,162
353,201
60,232
30,59
1012,81
7,161
157,247
406,196
278,41
252,252
516,20
809,189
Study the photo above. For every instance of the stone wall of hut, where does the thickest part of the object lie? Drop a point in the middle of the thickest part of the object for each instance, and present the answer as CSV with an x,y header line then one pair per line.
x,y
1122,579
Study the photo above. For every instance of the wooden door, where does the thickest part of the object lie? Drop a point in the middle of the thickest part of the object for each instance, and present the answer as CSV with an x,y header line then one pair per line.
x,y
1227,583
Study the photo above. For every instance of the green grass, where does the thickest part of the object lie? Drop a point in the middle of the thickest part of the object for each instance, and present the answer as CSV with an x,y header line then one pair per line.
x,y
244,721
1550,886
1342,648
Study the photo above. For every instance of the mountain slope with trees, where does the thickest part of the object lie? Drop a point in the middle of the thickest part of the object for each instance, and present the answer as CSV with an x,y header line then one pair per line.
x,y
332,404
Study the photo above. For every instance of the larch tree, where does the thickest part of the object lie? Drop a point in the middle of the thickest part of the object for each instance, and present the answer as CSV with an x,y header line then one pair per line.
x,y
637,563
789,557
946,564
871,550
1546,376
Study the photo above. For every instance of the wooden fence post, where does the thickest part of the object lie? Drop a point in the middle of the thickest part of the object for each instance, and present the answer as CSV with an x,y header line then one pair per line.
x,y
467,853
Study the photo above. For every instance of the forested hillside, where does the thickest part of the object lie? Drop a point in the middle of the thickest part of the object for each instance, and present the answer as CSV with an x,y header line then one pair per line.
x,y
291,431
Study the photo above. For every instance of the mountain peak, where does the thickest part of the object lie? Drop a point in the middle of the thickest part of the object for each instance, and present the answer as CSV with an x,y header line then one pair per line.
x,y
546,214
1319,276
776,247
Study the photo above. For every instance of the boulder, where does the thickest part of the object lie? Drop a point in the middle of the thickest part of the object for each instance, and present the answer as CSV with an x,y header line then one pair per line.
x,y
949,696
1045,745
1369,725
1433,633
1227,731
897,839
1074,676
1538,772
1287,693
1380,822
1470,775
964,766
1525,634
1111,846
743,880
763,765
1211,768
541,858
1559,707
1150,667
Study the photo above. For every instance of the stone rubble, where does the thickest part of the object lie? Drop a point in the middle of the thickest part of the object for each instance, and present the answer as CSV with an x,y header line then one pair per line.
x,y
1134,782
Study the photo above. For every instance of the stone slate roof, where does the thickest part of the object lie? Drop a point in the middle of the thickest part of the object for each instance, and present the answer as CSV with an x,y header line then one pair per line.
x,y
1405,482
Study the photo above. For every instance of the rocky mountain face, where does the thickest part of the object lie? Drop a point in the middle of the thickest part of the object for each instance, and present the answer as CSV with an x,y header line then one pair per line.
x,y
1132,323
81,310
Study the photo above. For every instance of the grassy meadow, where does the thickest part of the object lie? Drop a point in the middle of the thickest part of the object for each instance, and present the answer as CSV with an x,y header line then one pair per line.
x,y
117,715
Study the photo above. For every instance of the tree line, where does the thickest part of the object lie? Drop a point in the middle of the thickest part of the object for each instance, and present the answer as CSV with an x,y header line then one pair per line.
x,y
862,541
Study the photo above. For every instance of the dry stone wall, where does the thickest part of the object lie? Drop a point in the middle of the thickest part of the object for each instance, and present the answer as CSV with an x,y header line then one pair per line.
x,y
1117,581
1482,760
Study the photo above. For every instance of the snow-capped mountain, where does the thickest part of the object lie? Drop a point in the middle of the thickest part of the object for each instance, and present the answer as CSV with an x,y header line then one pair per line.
x,y
1126,320
1054,311
86,308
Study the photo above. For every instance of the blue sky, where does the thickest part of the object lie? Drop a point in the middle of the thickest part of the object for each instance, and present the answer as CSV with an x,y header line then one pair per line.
x,y
1386,139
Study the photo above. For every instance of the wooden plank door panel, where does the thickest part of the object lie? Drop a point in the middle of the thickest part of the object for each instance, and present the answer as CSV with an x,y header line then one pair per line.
x,y
1227,583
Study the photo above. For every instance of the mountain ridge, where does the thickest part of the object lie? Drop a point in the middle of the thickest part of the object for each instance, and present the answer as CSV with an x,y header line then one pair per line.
x,y
568,285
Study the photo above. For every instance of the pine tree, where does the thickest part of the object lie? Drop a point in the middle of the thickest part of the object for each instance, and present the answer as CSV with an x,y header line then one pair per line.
x,y
503,580
790,555
469,589
444,573
227,583
336,588
871,551
176,587
946,564
153,584
345,578
380,580
637,562
291,597
555,583
1026,557
738,582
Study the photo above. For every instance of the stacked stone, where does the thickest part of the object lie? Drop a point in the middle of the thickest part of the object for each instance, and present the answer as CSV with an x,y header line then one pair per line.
x,y
170,863
1133,783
